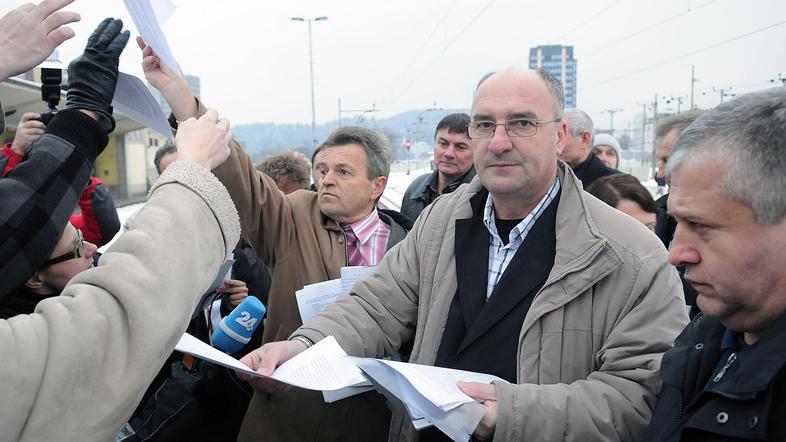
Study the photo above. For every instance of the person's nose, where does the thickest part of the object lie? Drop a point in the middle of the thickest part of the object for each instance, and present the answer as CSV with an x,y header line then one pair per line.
x,y
500,142
681,251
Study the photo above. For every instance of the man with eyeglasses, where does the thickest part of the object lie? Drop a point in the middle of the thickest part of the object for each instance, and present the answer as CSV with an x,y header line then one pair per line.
x,y
71,255
523,275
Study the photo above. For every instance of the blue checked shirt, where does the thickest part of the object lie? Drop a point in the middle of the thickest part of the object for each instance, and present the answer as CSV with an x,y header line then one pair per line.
x,y
500,254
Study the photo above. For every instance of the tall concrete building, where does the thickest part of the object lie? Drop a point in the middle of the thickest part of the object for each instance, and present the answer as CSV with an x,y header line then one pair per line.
x,y
557,60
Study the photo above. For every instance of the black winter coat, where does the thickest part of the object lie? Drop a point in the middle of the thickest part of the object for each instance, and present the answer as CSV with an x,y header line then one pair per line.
x,y
749,405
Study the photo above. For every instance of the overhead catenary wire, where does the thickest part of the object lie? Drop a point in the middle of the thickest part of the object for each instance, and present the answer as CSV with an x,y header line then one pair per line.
x,y
439,24
687,54
442,52
584,55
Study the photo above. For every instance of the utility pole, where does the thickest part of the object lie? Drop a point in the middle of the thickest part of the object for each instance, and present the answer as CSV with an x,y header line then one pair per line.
x,y
611,113
678,99
654,128
693,81
311,69
362,111
724,92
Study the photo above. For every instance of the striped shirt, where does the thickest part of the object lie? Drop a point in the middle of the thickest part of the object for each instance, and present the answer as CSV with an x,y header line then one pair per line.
x,y
372,234
500,254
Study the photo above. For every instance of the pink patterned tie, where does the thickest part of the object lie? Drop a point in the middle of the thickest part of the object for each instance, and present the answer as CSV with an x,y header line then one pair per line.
x,y
353,248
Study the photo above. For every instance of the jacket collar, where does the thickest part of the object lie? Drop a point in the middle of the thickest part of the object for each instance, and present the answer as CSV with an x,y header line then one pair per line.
x,y
763,363
429,185
579,243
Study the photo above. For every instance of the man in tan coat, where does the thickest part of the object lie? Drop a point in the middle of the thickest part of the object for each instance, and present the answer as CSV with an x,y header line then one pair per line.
x,y
523,275
304,238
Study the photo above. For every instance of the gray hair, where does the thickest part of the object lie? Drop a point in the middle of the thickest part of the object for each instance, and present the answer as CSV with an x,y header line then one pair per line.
x,y
555,89
554,86
679,122
375,144
749,132
287,167
578,122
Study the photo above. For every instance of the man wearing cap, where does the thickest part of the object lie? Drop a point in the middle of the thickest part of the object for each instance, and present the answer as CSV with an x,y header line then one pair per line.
x,y
578,151
607,148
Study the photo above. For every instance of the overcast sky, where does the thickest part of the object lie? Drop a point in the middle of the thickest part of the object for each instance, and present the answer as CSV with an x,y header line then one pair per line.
x,y
406,54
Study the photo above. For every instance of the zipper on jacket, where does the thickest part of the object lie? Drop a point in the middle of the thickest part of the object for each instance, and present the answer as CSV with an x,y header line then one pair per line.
x,y
732,358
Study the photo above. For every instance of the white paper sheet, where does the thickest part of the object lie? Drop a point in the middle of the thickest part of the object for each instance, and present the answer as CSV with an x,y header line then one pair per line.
x,y
134,99
438,384
144,15
313,298
324,366
351,275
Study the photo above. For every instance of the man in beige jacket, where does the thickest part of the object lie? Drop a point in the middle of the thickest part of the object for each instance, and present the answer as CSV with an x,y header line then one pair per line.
x,y
577,319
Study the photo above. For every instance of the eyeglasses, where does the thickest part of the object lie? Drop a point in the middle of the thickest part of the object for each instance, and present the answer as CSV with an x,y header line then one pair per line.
x,y
519,127
77,252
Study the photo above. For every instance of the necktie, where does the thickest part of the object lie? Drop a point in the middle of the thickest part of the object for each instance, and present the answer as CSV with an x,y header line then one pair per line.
x,y
353,247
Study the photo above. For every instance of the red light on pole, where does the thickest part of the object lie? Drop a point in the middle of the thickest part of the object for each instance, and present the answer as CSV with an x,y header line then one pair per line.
x,y
407,143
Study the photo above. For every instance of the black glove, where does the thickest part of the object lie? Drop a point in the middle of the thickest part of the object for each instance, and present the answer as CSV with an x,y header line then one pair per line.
x,y
92,77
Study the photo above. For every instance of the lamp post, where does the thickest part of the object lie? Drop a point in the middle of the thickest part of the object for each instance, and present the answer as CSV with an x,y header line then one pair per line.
x,y
311,67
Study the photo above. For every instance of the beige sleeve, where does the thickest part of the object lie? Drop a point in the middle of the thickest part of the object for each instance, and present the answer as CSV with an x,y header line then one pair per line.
x,y
77,367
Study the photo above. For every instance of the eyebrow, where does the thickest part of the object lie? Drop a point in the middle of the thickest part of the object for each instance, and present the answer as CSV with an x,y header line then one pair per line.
x,y
516,115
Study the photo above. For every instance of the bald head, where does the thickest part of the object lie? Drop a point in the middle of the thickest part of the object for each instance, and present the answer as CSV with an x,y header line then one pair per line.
x,y
517,169
553,85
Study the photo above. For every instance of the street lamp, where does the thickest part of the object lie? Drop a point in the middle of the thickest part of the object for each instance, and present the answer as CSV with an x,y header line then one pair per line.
x,y
311,67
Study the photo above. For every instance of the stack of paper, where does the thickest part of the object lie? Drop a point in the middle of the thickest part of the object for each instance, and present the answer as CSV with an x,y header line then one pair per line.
x,y
429,394
313,298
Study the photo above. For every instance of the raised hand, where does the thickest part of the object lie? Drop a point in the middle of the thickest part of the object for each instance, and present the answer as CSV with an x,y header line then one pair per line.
x,y
205,140
92,77
174,88
29,34
27,132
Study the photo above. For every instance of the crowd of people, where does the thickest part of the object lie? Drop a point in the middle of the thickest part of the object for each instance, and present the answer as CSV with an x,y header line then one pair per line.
x,y
525,254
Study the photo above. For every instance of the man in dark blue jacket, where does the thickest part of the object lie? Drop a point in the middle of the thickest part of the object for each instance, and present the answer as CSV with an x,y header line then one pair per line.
x,y
453,163
725,379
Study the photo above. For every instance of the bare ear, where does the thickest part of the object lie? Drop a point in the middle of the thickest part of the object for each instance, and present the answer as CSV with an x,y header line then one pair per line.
x,y
379,183
35,281
562,137
586,137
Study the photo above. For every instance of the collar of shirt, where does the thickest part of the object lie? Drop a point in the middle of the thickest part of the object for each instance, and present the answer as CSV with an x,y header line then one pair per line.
x,y
365,227
521,230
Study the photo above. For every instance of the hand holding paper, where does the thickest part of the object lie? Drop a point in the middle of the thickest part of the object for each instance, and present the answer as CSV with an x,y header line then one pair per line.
x,y
172,86
487,395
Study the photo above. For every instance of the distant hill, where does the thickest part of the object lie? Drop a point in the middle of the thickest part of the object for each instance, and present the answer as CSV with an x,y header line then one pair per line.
x,y
262,139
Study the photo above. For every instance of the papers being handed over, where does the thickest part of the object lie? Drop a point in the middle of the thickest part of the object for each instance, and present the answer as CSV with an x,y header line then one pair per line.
x,y
324,366
143,12
429,394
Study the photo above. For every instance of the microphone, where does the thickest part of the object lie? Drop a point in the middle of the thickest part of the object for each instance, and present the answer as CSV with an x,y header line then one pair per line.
x,y
235,330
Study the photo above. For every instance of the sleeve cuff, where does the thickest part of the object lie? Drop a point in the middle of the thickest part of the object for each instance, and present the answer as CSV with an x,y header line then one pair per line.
x,y
86,134
205,184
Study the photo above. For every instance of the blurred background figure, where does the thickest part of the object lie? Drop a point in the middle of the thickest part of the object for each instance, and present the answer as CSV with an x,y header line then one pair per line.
x,y
578,152
626,194
97,217
290,170
607,148
454,166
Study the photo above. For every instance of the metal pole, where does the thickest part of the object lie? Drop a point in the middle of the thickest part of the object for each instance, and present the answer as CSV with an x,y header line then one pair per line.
x,y
313,108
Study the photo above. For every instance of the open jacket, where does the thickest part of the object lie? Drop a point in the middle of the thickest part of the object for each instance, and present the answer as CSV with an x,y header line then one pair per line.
x,y
76,368
590,345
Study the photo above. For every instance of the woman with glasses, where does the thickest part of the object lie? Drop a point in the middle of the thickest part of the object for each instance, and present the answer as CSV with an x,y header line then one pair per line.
x,y
71,256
